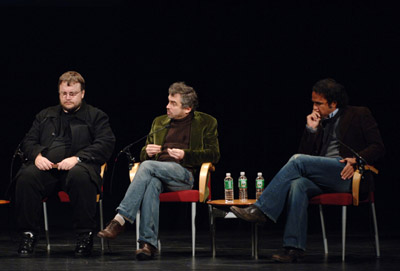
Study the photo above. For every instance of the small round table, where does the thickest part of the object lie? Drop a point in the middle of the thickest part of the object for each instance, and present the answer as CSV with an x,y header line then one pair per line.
x,y
221,208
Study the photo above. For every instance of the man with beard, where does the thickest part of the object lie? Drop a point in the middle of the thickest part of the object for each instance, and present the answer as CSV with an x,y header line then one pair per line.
x,y
64,150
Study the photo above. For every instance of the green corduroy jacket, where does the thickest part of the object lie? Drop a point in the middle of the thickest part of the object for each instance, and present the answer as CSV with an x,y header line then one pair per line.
x,y
204,145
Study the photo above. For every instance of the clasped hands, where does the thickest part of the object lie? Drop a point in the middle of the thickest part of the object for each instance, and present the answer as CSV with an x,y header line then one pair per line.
x,y
153,149
43,163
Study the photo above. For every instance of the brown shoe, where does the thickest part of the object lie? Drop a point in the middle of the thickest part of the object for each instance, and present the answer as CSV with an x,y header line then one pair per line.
x,y
289,255
112,230
250,214
146,251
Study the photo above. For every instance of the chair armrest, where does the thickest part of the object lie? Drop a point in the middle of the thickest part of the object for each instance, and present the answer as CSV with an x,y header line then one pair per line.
x,y
133,171
204,178
356,183
103,170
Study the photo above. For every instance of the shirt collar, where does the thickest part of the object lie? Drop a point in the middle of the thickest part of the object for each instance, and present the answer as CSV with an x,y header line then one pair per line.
x,y
331,115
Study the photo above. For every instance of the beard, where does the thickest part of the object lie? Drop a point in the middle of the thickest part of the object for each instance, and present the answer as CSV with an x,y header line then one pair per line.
x,y
71,109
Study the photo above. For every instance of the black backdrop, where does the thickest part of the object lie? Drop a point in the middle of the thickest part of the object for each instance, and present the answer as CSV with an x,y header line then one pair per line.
x,y
253,64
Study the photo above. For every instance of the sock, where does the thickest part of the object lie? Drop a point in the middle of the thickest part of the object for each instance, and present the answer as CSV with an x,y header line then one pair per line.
x,y
120,219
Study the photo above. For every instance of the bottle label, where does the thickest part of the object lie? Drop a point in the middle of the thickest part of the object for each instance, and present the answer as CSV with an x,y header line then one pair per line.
x,y
260,183
242,183
228,184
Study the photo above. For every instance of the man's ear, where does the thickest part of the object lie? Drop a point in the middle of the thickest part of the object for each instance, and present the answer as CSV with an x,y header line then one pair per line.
x,y
332,105
187,110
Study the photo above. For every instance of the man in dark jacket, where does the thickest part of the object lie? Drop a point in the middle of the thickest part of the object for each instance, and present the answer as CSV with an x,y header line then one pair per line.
x,y
64,149
323,165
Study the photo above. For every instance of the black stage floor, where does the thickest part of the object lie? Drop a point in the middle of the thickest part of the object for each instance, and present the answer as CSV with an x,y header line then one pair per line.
x,y
233,252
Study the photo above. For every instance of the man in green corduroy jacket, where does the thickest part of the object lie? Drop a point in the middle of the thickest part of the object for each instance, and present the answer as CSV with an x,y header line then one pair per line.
x,y
178,143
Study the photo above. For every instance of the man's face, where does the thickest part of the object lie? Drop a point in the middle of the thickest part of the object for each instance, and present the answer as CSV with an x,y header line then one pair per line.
x,y
174,107
321,105
71,96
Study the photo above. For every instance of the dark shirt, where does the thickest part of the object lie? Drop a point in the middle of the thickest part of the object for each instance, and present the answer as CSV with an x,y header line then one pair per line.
x,y
61,146
178,137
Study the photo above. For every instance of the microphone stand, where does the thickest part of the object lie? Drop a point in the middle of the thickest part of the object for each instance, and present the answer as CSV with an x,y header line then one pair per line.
x,y
127,148
128,154
361,162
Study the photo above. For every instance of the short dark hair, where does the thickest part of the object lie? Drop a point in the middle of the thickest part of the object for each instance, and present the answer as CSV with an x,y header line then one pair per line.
x,y
332,92
72,77
188,94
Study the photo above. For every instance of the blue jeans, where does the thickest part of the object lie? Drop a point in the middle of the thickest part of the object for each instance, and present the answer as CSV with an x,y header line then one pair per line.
x,y
303,177
150,180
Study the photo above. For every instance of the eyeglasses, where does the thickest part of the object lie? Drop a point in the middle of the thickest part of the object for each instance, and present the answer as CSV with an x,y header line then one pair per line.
x,y
70,94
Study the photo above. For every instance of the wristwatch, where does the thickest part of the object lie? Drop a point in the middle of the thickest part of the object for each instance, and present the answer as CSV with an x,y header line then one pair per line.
x,y
79,159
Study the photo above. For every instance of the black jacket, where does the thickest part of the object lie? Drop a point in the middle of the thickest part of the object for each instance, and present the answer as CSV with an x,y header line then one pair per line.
x,y
91,137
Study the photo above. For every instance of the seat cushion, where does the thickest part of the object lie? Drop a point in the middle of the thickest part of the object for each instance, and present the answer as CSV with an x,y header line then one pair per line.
x,y
63,196
333,199
180,196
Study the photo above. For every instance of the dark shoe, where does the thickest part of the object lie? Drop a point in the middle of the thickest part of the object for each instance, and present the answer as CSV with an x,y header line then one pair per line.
x,y
250,214
112,230
84,244
27,244
146,252
289,255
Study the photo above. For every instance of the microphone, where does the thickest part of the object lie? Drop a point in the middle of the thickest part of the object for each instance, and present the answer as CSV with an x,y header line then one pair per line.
x,y
360,160
126,149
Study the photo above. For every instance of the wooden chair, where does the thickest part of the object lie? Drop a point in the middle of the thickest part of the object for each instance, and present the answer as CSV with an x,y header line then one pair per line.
x,y
192,196
63,196
344,200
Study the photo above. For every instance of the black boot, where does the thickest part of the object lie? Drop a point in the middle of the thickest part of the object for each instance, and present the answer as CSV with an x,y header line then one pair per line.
x,y
27,244
84,244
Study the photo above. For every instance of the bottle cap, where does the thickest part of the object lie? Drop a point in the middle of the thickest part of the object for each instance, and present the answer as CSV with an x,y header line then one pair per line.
x,y
228,175
259,174
242,173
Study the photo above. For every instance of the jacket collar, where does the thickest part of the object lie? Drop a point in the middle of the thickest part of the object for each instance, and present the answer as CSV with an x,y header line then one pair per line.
x,y
55,111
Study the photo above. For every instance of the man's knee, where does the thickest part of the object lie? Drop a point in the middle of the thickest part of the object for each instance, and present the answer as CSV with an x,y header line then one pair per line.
x,y
148,165
78,176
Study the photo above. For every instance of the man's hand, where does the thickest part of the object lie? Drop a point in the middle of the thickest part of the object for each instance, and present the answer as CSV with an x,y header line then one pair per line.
x,y
313,119
67,163
348,170
176,153
43,163
153,149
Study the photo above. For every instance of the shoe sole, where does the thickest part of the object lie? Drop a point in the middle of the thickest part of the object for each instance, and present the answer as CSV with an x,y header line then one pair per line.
x,y
143,257
106,237
280,260
239,215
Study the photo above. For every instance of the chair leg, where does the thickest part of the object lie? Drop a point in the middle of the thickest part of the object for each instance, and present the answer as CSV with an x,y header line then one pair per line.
x,y
324,239
193,228
137,228
378,250
101,223
46,226
212,229
344,215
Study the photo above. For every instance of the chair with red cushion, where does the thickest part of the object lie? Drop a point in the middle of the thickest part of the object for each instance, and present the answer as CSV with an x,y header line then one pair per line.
x,y
344,200
201,195
63,196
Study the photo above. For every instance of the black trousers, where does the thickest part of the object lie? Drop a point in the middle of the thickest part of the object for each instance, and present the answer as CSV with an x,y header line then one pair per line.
x,y
33,185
